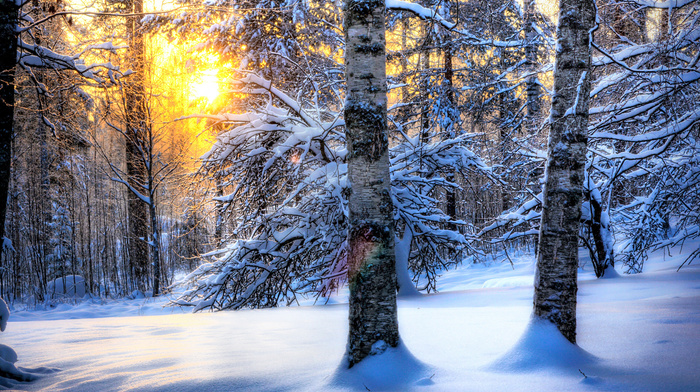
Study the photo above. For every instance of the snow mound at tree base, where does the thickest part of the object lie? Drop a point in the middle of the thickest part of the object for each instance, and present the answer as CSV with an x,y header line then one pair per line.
x,y
610,273
394,369
542,346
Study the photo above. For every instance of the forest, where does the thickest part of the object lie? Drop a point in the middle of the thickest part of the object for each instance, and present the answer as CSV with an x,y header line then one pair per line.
x,y
211,155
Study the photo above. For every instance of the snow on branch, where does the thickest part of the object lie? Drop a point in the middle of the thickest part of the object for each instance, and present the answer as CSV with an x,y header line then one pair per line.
x,y
668,4
433,15
37,56
286,178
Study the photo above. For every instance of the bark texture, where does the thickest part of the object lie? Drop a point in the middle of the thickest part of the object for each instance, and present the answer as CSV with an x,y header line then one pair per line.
x,y
8,58
531,81
452,121
136,123
371,259
604,256
557,259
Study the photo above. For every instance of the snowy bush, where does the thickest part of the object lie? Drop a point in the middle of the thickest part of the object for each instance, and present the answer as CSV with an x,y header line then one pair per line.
x,y
70,286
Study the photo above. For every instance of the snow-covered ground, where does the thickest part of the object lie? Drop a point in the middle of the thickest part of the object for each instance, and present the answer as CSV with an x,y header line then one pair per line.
x,y
636,333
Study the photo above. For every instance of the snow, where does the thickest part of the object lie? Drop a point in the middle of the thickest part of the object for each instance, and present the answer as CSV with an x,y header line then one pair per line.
x,y
540,347
9,373
388,369
573,109
432,15
423,12
403,278
663,4
635,333
7,354
70,286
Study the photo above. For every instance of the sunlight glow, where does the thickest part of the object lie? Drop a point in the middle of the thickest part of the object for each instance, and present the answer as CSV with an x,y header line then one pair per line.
x,y
207,87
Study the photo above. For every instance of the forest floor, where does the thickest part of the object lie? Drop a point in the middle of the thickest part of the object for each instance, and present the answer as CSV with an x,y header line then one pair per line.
x,y
635,333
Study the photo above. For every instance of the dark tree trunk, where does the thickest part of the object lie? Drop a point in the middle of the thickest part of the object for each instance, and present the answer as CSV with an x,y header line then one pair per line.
x,y
155,247
136,123
425,112
531,81
371,259
557,259
153,213
219,225
452,120
138,219
8,58
603,255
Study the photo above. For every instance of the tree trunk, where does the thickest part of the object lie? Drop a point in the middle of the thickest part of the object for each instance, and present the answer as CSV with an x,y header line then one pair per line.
x,y
604,256
452,121
219,225
135,113
371,258
155,246
557,259
531,121
404,111
153,213
531,80
8,57
88,213
656,25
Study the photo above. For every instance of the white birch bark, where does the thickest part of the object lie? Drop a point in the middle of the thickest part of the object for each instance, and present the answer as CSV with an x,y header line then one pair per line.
x,y
557,259
371,259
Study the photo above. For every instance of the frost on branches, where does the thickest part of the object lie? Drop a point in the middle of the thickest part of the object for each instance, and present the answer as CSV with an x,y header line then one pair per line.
x,y
283,167
642,187
645,126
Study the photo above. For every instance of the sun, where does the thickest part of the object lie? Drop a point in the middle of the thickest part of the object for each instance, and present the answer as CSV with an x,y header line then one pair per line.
x,y
206,86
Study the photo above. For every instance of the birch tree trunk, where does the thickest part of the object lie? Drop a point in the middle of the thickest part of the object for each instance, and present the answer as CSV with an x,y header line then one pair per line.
x,y
557,259
371,258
